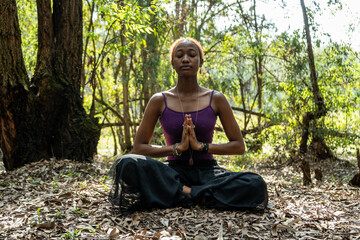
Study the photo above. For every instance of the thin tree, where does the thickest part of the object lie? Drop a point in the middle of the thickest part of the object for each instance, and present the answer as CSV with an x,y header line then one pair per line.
x,y
320,109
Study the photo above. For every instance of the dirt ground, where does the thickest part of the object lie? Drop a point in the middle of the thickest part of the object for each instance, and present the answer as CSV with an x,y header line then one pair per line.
x,y
55,199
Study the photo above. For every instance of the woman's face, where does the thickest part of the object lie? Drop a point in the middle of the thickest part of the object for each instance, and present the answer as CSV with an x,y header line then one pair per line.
x,y
186,59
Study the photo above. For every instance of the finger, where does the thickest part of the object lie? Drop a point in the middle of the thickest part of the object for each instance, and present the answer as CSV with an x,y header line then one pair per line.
x,y
189,120
188,128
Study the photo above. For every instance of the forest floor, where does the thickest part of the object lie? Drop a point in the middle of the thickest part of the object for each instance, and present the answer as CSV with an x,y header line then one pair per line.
x,y
55,199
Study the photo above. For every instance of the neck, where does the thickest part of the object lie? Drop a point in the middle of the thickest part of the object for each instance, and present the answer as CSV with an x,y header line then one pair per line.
x,y
187,85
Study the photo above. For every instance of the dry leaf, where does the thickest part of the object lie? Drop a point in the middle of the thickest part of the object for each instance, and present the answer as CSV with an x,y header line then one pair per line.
x,y
49,225
180,234
65,195
320,212
164,233
291,221
113,232
164,222
182,227
220,235
338,213
280,226
274,230
200,237
230,225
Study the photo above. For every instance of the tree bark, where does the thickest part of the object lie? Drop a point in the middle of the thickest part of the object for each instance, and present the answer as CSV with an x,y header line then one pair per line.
x,y
258,66
319,101
44,118
14,90
125,94
150,57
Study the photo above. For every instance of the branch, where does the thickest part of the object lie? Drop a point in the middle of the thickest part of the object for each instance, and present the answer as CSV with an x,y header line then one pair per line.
x,y
105,125
248,111
256,130
111,108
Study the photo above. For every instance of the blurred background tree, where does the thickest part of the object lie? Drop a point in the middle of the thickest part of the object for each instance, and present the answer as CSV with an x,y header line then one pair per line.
x,y
263,70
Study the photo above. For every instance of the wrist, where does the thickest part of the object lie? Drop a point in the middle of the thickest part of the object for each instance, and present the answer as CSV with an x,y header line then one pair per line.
x,y
204,147
176,150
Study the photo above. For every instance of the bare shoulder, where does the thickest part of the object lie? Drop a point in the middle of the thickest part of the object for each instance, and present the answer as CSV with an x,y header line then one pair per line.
x,y
219,96
219,101
156,103
157,98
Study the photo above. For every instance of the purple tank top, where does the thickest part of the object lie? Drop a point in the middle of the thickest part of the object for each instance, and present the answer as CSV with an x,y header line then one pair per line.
x,y
171,123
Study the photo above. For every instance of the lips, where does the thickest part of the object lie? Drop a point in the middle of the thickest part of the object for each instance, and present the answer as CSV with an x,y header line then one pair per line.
x,y
187,67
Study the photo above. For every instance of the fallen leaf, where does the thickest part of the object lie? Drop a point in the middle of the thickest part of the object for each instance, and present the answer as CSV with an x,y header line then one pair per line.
x,y
230,225
20,215
113,232
49,225
65,195
200,237
164,222
220,235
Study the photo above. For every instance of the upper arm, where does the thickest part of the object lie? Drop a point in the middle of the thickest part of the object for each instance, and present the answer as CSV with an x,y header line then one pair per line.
x,y
222,107
151,115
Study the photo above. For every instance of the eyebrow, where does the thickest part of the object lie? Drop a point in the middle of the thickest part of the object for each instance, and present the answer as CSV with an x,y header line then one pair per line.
x,y
191,48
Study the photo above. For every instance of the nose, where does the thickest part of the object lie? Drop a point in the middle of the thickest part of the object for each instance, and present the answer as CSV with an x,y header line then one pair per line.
x,y
185,58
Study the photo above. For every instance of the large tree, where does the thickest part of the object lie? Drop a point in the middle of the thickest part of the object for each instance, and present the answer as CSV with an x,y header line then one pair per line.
x,y
43,117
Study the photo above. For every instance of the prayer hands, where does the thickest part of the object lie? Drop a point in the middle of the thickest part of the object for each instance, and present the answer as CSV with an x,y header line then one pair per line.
x,y
184,144
189,136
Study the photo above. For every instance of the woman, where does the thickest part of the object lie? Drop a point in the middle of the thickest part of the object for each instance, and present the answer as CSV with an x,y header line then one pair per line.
x,y
191,175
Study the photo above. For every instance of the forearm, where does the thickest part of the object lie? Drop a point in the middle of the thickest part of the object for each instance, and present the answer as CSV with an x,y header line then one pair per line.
x,y
154,151
230,148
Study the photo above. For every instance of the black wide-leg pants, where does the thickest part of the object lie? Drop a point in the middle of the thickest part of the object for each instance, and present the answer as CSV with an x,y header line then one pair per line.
x,y
141,183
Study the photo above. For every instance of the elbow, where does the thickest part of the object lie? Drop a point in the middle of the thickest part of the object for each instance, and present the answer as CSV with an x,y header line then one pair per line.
x,y
242,149
237,148
135,149
140,149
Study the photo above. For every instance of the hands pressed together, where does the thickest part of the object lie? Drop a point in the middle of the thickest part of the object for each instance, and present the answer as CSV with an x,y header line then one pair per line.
x,y
188,138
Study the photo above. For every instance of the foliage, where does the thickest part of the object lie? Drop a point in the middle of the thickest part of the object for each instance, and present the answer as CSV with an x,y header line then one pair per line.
x,y
259,69
28,14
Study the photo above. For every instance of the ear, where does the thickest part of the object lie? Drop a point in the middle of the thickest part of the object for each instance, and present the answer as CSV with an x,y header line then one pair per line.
x,y
201,62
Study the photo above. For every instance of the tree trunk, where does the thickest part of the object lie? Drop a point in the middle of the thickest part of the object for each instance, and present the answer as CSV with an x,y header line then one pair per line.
x,y
243,102
89,29
14,91
258,66
259,81
150,57
182,19
355,181
319,101
125,95
48,121
307,117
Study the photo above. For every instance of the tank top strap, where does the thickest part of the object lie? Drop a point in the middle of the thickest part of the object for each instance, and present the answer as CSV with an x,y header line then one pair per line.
x,y
212,93
164,99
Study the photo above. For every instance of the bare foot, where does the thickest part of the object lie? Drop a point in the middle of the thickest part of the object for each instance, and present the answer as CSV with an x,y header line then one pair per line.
x,y
186,189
